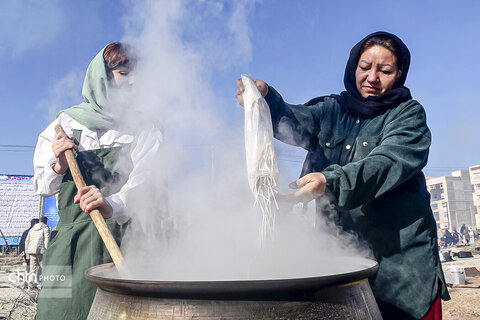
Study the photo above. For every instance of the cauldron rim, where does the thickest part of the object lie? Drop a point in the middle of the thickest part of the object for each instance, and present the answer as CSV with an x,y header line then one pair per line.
x,y
227,289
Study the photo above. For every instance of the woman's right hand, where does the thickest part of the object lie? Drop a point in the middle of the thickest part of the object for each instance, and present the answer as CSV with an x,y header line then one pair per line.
x,y
261,85
60,144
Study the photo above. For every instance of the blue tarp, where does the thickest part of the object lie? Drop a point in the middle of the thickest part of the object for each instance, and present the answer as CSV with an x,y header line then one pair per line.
x,y
12,241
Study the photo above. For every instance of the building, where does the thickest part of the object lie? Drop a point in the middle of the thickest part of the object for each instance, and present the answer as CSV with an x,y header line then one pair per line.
x,y
475,180
452,201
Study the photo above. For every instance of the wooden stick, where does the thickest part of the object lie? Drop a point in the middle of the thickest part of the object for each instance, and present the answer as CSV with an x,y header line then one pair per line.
x,y
96,216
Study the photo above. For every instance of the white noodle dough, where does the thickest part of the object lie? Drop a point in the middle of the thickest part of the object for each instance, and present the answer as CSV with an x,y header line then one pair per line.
x,y
261,161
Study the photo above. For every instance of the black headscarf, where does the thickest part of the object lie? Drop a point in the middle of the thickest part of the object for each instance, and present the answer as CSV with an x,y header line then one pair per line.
x,y
353,101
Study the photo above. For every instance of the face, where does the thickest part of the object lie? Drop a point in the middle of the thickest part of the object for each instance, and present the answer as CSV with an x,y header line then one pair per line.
x,y
122,76
376,71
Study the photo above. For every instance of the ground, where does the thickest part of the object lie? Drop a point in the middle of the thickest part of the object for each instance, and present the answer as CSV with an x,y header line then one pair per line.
x,y
15,302
464,304
18,303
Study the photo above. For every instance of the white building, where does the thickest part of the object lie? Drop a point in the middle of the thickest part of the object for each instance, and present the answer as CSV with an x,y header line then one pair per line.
x,y
475,180
452,201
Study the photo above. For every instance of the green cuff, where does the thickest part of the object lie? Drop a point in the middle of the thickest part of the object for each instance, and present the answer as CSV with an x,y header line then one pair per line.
x,y
332,182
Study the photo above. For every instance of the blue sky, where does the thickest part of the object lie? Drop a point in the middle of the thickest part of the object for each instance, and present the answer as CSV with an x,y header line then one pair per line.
x,y
299,47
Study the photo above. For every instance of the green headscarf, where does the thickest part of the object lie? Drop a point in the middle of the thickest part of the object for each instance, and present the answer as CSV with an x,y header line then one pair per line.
x,y
92,113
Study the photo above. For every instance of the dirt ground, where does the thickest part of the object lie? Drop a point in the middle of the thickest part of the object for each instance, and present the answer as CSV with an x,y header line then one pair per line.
x,y
465,302
17,303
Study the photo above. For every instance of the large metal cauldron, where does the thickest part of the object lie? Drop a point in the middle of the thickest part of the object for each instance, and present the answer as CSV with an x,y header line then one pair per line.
x,y
338,296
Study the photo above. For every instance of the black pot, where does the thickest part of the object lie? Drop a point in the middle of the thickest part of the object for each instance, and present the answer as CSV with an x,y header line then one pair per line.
x,y
337,296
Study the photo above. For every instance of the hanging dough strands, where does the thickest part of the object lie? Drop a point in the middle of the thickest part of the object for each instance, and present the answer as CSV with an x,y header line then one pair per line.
x,y
264,194
261,161
96,216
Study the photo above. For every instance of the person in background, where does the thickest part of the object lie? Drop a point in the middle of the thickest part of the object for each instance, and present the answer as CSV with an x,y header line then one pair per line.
x,y
449,240
35,245
366,150
53,234
111,158
463,235
471,236
455,236
21,246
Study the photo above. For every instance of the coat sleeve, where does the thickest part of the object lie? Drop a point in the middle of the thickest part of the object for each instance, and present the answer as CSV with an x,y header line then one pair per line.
x,y
27,242
21,246
46,182
144,157
294,124
401,154
46,237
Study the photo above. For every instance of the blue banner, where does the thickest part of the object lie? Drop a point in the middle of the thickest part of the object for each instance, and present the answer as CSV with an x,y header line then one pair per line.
x,y
50,210
11,241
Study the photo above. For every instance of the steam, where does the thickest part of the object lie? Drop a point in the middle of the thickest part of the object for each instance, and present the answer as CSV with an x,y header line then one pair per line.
x,y
194,217
64,91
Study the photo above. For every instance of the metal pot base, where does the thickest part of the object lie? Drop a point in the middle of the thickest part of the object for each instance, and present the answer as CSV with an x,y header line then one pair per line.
x,y
349,301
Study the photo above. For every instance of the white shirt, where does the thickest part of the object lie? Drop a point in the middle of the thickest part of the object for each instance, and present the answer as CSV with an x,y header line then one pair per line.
x,y
145,146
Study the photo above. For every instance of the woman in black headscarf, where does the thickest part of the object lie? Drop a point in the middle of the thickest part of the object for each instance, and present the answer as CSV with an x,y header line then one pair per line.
x,y
366,149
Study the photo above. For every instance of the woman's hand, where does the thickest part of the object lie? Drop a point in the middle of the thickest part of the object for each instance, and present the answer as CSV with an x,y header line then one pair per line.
x,y
90,198
261,85
60,144
312,186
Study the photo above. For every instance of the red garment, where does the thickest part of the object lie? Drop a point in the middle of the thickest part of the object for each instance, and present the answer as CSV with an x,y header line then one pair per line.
x,y
435,312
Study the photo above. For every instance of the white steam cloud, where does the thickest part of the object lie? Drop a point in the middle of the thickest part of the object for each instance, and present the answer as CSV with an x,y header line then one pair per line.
x,y
195,219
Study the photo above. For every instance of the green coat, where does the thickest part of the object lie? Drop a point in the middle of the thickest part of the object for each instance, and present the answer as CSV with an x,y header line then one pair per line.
x,y
373,169
66,294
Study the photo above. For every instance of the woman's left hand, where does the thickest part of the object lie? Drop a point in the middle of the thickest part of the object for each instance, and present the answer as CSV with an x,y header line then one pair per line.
x,y
311,185
90,198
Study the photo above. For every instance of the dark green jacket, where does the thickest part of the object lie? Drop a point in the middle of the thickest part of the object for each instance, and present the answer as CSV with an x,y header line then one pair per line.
x,y
373,169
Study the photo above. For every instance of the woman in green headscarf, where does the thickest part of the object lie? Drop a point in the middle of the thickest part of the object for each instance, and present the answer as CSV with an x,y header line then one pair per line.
x,y
110,158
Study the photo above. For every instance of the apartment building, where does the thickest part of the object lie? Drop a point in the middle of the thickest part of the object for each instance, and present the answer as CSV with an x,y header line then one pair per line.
x,y
452,201
475,180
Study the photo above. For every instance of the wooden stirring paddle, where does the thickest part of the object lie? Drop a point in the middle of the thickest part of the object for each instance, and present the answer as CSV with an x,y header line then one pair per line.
x,y
96,216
